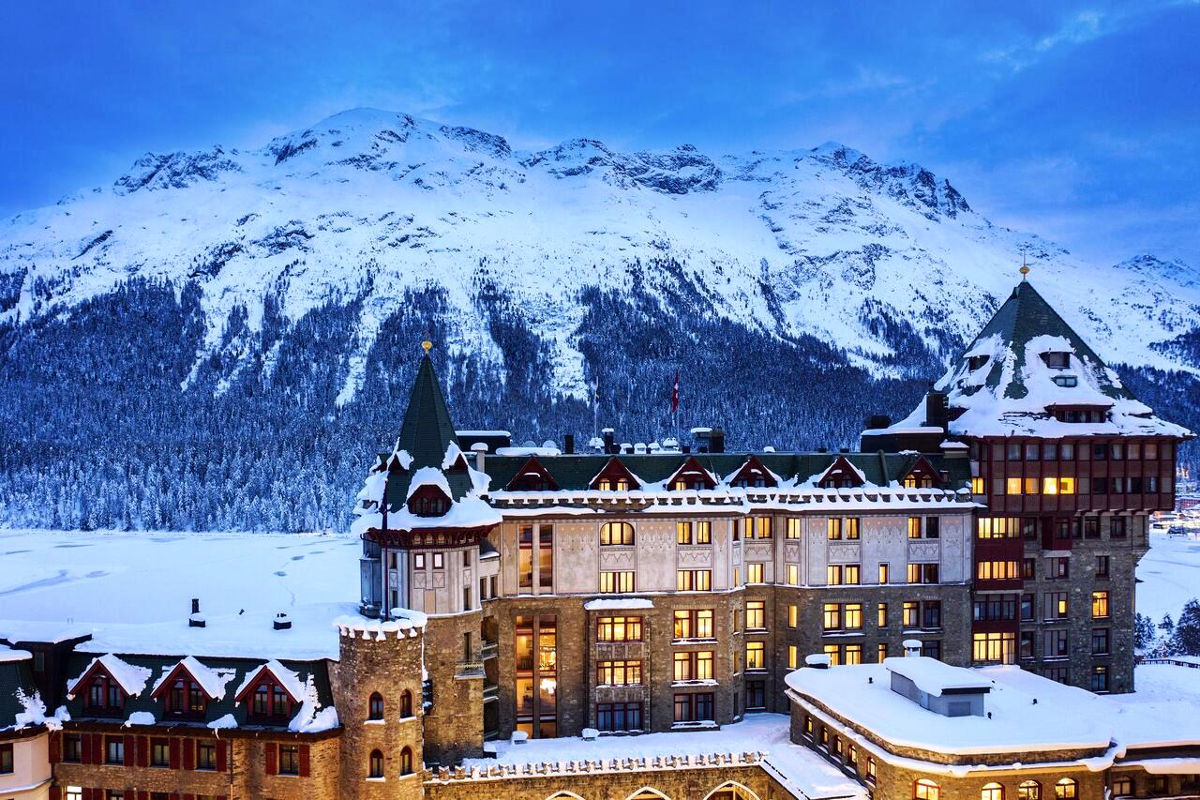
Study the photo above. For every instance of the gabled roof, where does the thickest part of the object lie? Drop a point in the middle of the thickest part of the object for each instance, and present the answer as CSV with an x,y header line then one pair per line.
x,y
1001,385
532,467
280,674
131,678
613,468
211,681
692,467
751,468
842,467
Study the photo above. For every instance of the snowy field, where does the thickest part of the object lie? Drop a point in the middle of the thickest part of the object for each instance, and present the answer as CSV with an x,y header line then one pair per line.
x,y
75,578
72,578
1169,575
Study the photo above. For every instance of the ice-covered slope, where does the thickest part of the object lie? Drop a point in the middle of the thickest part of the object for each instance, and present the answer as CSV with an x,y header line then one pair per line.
x,y
824,242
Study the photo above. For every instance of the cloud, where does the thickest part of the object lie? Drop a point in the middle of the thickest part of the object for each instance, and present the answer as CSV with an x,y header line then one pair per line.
x,y
1080,28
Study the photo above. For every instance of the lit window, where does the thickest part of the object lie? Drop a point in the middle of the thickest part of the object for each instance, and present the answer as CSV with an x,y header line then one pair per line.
x,y
683,533
793,575
754,573
926,789
756,655
1099,605
793,657
795,527
1029,790
852,616
616,533
1012,486
1066,789
991,791
616,582
793,616
833,528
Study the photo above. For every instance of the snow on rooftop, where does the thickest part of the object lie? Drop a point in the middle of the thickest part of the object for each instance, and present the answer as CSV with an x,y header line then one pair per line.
x,y
764,734
936,677
212,681
1063,718
618,604
288,679
429,476
8,654
131,678
528,451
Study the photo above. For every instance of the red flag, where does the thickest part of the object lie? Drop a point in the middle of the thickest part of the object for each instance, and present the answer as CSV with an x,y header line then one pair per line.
x,y
675,394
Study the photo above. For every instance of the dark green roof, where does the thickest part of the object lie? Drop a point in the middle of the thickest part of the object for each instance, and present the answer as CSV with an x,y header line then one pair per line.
x,y
575,472
427,428
241,667
1025,315
14,675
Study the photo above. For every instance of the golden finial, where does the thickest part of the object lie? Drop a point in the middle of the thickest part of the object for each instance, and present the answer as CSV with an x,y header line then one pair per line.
x,y
1024,265
426,346
1024,271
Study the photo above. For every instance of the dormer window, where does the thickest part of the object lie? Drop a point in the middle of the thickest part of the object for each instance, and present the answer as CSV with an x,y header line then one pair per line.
x,y
428,501
104,695
1066,381
976,362
270,702
185,698
613,485
693,483
1057,360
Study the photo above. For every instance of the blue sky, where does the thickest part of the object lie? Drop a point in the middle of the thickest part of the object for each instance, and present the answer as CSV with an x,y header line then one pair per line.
x,y
1077,120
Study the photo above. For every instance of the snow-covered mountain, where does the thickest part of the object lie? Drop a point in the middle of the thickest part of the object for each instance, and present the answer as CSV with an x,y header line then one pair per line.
x,y
374,228
824,241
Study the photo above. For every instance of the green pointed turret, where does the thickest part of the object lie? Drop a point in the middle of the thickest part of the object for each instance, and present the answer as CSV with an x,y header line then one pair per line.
x,y
427,428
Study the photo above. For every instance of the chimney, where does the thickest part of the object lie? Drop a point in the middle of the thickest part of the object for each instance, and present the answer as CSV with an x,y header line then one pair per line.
x,y
717,441
569,444
877,421
282,622
912,647
937,409
479,449
196,620
610,441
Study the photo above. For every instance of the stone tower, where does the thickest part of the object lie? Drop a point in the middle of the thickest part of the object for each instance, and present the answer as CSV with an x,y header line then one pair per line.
x,y
377,687
422,517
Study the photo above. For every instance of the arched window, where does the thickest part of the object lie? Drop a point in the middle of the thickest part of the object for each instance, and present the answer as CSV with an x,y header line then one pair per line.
x,y
616,533
406,704
1029,790
375,706
926,789
1066,789
991,791
731,791
647,794
406,766
375,769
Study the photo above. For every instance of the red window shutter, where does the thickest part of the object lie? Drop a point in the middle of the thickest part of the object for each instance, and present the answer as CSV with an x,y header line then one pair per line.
x,y
85,749
97,750
130,750
55,748
272,759
174,795
174,757
189,754
55,793
303,761
143,795
221,757
144,752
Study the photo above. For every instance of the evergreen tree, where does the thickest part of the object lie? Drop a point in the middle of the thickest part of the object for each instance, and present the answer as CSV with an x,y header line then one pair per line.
x,y
1185,640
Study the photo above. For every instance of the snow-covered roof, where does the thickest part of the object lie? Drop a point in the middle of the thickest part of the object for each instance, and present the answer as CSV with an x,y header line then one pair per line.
x,y
212,681
8,654
428,476
618,604
1063,718
1002,385
132,679
762,739
288,679
936,677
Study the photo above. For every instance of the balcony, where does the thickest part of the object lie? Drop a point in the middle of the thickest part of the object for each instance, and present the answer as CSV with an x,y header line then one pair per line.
x,y
469,669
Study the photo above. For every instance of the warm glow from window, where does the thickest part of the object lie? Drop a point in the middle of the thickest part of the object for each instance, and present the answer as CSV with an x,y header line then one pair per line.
x,y
1049,485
